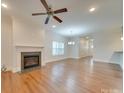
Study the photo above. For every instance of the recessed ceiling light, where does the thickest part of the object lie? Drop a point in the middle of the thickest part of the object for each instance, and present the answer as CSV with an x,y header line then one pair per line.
x,y
54,26
4,5
92,9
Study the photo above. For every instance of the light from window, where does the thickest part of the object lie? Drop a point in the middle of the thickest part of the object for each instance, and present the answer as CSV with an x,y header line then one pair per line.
x,y
57,48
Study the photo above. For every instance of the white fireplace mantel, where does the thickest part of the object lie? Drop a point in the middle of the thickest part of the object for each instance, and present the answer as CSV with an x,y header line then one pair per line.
x,y
33,46
25,48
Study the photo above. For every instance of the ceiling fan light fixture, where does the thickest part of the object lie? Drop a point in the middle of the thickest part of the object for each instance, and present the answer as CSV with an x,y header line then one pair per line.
x,y
92,9
50,12
54,26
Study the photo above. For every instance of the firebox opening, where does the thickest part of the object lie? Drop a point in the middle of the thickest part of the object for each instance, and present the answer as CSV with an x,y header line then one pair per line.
x,y
30,60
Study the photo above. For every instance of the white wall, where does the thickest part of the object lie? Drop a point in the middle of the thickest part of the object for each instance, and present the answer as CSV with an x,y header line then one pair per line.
x,y
85,47
51,36
117,58
6,41
108,46
73,50
82,47
27,33
18,32
21,32
106,43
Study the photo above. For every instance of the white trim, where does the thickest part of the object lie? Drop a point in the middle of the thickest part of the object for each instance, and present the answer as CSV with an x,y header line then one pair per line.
x,y
8,69
16,69
59,59
62,59
43,64
101,60
107,61
73,57
85,56
53,60
32,46
17,55
114,62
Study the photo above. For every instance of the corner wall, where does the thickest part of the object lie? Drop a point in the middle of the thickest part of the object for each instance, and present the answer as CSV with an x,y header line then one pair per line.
x,y
51,36
6,41
106,43
18,32
27,36
85,47
74,49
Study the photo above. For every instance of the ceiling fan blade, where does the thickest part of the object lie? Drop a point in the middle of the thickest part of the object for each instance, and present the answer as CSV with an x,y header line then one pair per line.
x,y
35,14
56,18
47,19
45,4
60,11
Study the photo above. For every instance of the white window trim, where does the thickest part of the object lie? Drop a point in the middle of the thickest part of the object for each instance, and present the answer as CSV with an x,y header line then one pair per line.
x,y
58,50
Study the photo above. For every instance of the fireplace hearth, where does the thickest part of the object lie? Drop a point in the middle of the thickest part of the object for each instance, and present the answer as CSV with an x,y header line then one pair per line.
x,y
30,60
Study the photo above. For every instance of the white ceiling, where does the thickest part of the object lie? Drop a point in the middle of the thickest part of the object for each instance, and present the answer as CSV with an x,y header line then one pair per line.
x,y
78,19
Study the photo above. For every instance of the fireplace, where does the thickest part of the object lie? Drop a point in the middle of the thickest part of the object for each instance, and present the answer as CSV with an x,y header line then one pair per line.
x,y
30,60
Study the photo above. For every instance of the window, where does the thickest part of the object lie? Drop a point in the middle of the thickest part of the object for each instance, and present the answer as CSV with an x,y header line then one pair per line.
x,y
91,43
57,48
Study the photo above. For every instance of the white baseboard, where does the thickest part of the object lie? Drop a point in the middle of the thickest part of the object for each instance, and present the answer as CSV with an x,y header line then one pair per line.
x,y
101,60
16,69
7,68
73,58
117,64
43,64
53,60
107,61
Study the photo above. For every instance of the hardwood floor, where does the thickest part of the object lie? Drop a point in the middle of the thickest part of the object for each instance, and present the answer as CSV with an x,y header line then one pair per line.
x,y
67,76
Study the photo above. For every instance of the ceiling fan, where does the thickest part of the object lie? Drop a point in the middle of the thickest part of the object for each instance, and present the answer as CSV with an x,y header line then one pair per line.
x,y
50,12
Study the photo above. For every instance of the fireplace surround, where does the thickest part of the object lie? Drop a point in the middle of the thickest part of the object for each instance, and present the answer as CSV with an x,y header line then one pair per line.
x,y
30,60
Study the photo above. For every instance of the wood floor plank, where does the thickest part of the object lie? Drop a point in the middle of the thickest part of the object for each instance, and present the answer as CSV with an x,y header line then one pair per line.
x,y
66,76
